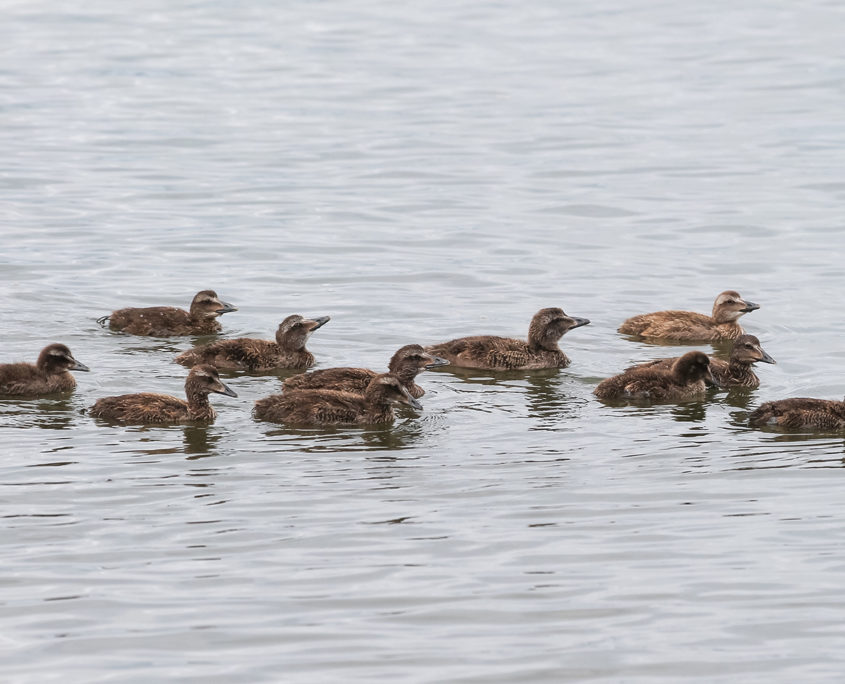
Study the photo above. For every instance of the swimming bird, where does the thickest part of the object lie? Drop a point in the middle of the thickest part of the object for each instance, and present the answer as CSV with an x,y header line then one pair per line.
x,y
165,321
332,407
147,408
245,353
48,375
800,413
736,372
504,353
684,380
405,365
691,326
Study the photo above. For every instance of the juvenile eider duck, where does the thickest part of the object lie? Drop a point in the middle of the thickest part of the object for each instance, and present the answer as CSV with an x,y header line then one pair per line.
x,y
691,326
684,380
166,321
736,372
245,353
505,353
147,408
48,375
331,407
800,414
408,362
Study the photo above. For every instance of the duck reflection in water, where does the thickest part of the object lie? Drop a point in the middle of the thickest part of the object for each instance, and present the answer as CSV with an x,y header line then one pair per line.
x,y
200,441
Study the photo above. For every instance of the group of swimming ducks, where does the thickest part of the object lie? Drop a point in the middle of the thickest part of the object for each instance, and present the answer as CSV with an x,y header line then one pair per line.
x,y
350,396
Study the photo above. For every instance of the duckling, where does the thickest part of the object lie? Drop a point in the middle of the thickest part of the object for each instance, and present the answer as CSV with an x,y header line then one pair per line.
x,y
684,380
165,321
504,353
736,372
691,326
800,413
333,407
148,408
49,374
244,353
405,364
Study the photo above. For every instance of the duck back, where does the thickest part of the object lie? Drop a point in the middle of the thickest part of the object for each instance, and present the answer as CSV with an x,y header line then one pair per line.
x,y
144,408
353,380
800,413
21,379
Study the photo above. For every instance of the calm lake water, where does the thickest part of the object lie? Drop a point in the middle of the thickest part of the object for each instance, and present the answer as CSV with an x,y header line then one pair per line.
x,y
420,173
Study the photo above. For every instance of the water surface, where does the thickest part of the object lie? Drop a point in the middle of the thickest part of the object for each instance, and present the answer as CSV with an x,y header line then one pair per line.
x,y
420,173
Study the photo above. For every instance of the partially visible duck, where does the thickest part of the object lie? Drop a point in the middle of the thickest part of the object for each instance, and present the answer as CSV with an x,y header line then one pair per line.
x,y
246,353
48,375
691,326
405,364
147,408
736,372
331,407
164,321
800,414
684,380
505,353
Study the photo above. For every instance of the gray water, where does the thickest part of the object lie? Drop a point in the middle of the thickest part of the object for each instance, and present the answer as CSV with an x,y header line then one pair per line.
x,y
419,173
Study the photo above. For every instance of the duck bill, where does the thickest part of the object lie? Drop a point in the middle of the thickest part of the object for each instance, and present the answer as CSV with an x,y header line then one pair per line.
x,y
225,389
712,378
225,308
750,306
578,322
435,362
79,366
316,323
413,403
766,358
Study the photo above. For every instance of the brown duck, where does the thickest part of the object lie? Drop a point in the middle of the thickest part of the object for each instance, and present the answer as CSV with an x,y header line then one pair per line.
x,y
332,407
164,321
245,353
48,375
691,326
684,380
504,353
147,408
405,364
800,414
736,372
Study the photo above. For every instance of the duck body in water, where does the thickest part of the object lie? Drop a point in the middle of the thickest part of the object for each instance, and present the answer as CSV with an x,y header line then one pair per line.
x,y
147,408
800,413
405,365
490,352
333,407
48,375
689,326
248,354
684,380
167,321
736,372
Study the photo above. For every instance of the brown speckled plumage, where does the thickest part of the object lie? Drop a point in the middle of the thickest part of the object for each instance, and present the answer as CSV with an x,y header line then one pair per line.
x,y
165,321
48,375
405,365
684,380
504,353
800,414
691,326
331,407
148,408
736,372
245,353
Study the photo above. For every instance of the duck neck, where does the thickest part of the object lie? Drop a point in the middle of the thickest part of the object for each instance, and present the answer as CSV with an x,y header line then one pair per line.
x,y
379,409
740,370
405,373
198,406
